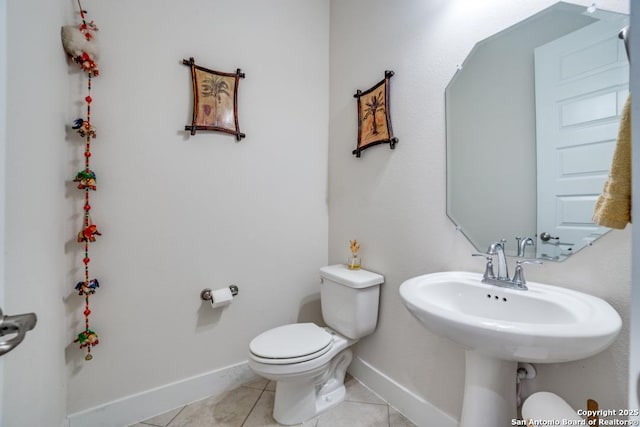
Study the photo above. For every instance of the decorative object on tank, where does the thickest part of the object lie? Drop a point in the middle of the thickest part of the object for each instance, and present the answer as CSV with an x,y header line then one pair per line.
x,y
80,43
374,118
215,100
354,260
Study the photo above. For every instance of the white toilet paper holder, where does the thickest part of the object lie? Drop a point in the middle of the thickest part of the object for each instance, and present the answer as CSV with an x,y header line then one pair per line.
x,y
206,294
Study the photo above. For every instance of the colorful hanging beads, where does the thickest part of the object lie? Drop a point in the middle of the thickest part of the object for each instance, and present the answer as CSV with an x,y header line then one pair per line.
x,y
84,128
88,339
89,287
86,180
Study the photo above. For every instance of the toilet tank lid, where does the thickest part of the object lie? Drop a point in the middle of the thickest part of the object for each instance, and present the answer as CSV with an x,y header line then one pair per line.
x,y
358,279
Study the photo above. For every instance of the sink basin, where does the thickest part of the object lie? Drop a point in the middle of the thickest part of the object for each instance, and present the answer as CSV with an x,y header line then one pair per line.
x,y
500,326
544,324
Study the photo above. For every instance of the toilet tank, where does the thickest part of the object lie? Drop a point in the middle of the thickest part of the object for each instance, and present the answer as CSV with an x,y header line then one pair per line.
x,y
349,300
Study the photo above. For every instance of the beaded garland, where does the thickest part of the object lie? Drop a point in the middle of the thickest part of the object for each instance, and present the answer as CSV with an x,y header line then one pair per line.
x,y
86,180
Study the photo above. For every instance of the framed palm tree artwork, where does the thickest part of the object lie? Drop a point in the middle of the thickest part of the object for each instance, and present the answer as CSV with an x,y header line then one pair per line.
x,y
215,100
374,119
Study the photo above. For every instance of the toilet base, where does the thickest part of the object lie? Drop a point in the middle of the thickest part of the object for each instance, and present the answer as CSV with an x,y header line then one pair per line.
x,y
300,399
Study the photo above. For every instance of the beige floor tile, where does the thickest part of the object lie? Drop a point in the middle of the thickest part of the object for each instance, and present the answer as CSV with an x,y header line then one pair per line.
x,y
227,410
259,384
355,414
396,419
164,419
356,392
262,413
251,405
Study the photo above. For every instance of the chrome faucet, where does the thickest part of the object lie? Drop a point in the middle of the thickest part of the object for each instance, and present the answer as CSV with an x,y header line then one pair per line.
x,y
518,282
522,243
497,248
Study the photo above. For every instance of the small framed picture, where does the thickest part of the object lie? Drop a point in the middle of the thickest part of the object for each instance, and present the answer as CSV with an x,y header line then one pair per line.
x,y
215,100
374,119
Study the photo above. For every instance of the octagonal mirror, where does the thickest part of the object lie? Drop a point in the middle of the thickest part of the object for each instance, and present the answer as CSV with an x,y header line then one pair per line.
x,y
532,120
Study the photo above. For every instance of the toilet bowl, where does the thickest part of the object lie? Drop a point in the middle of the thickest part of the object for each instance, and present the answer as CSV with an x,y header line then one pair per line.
x,y
309,362
309,377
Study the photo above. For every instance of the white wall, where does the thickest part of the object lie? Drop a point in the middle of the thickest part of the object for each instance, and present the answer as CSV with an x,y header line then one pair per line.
x,y
180,213
177,213
35,170
393,202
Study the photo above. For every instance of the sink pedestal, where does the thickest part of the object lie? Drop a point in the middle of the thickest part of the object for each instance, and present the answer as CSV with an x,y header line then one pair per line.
x,y
489,391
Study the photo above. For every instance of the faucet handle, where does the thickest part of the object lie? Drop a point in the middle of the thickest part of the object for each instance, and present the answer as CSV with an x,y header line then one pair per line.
x,y
527,261
487,256
488,270
518,275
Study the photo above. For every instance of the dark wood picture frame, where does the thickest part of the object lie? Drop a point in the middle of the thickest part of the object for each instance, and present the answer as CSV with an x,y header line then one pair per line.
x,y
215,100
374,117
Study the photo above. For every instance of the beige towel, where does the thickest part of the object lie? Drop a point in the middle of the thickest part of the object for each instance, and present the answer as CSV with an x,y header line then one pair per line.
x,y
613,208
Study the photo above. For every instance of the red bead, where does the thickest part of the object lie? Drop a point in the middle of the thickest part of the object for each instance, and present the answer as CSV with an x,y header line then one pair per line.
x,y
87,207
88,99
86,260
87,153
87,312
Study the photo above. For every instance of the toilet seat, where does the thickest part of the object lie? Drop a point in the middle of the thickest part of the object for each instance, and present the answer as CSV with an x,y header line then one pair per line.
x,y
294,343
288,369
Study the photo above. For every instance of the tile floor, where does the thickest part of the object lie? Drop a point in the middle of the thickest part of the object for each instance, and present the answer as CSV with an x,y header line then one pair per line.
x,y
251,405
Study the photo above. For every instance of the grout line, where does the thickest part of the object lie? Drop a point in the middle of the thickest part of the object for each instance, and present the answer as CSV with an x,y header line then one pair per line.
x,y
367,403
252,408
174,417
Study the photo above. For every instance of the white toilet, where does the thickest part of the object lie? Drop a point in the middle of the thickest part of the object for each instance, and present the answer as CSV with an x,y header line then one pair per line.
x,y
309,362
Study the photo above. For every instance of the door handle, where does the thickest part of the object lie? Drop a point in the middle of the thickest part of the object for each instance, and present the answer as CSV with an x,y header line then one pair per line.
x,y
19,325
545,237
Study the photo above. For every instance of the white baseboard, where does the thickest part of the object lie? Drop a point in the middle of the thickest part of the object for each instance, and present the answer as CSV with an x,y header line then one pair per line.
x,y
409,404
141,406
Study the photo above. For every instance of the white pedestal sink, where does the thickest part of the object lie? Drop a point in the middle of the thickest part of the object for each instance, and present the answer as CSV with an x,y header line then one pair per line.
x,y
500,327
